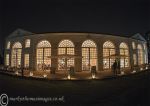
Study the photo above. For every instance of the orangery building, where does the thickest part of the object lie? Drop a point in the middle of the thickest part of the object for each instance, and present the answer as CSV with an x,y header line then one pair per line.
x,y
71,49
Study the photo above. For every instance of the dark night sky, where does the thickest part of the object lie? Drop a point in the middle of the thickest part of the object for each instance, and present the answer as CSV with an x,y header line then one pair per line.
x,y
107,16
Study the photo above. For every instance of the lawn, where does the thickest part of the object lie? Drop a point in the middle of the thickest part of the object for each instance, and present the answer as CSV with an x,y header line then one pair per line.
x,y
132,90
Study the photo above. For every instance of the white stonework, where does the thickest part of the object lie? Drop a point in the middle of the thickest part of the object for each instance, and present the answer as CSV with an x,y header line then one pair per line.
x,y
78,58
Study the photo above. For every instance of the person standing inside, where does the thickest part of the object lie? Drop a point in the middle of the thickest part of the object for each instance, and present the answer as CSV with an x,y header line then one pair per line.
x,y
115,68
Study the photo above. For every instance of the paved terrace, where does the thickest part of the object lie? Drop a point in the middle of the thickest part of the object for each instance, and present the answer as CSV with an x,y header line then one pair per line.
x,y
63,75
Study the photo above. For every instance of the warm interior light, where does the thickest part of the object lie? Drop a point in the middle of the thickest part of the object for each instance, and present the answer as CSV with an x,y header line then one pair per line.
x,y
69,77
141,68
93,76
146,67
44,75
134,71
16,73
31,73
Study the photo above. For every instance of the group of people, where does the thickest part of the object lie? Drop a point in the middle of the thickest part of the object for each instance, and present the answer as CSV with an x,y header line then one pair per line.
x,y
116,67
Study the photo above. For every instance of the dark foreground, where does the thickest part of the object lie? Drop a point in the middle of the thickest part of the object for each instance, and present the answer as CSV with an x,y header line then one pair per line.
x,y
132,90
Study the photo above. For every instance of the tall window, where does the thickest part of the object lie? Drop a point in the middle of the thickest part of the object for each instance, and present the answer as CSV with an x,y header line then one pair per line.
x,y
133,45
8,45
16,54
145,53
43,55
124,55
140,54
108,52
89,54
66,50
134,59
27,43
26,60
7,60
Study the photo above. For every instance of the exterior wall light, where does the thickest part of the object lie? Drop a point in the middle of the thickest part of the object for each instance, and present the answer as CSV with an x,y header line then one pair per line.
x,y
69,77
93,76
44,75
134,71
93,72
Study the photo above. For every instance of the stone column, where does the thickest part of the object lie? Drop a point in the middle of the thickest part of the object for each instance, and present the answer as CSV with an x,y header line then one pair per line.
x,y
22,53
54,53
9,52
100,57
117,49
131,52
11,44
32,55
78,60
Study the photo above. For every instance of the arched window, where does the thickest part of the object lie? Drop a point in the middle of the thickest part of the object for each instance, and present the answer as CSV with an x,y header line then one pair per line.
x,y
134,54
43,55
133,45
124,55
16,54
66,52
8,45
134,59
89,54
26,60
145,53
7,60
108,54
140,54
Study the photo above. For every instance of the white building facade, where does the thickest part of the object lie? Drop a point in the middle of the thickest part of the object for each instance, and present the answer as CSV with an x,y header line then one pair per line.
x,y
78,50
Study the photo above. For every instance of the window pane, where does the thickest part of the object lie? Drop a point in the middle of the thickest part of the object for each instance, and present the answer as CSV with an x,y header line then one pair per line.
x,y
133,45
44,44
108,52
89,54
124,55
134,59
8,45
16,54
27,43
26,60
140,54
66,47
43,55
61,51
7,60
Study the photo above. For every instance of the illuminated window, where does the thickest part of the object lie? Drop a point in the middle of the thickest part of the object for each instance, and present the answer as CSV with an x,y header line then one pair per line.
x,y
7,60
26,60
133,45
140,54
43,55
65,48
89,54
134,59
16,54
27,43
145,57
108,54
8,45
124,55
145,52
